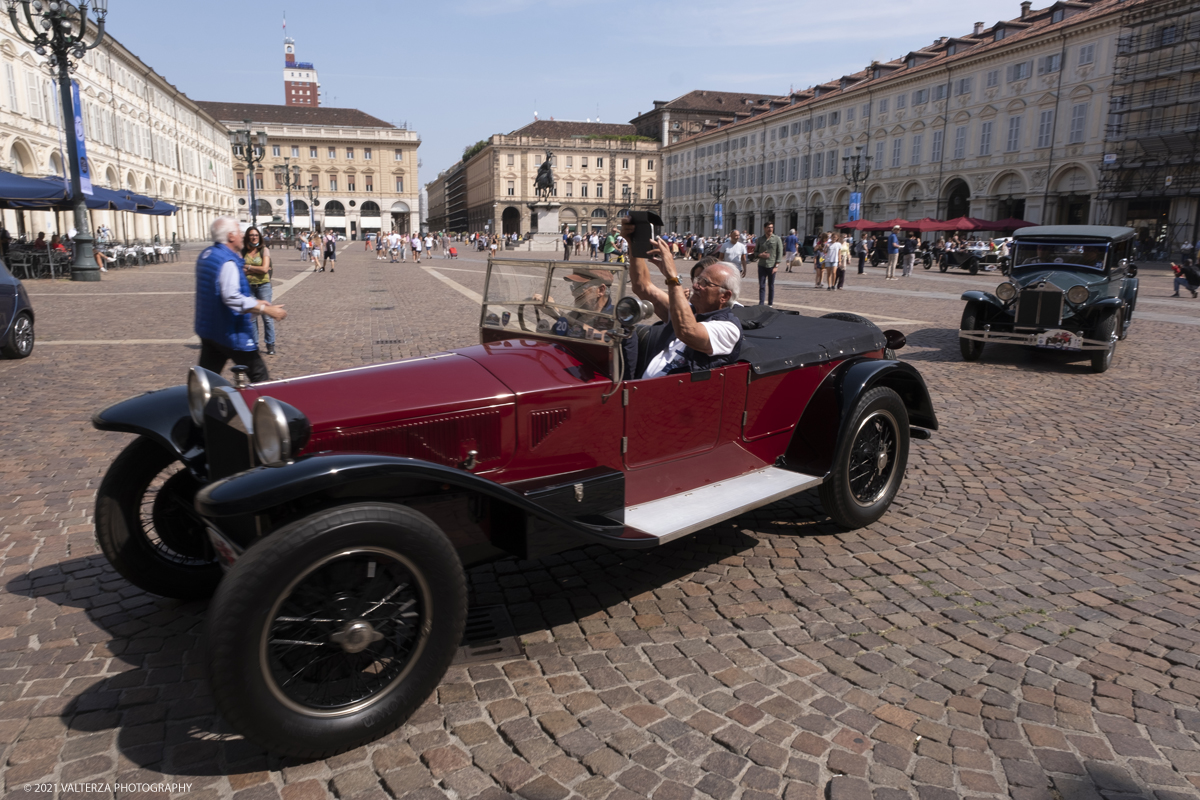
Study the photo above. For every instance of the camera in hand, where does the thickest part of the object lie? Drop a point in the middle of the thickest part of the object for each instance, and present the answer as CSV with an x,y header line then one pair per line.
x,y
646,225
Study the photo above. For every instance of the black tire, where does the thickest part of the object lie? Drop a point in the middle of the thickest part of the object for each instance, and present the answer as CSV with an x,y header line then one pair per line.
x,y
928,263
869,464
1105,330
973,266
19,342
145,528
971,349
942,267
341,564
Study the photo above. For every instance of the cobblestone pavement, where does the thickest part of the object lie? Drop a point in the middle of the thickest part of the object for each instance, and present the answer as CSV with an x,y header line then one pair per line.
x,y
1022,623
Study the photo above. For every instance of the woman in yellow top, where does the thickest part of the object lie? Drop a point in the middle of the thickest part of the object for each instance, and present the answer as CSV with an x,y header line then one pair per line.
x,y
258,274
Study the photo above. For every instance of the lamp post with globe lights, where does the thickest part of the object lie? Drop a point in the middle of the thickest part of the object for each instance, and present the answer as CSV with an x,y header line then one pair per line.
x,y
289,175
58,30
250,148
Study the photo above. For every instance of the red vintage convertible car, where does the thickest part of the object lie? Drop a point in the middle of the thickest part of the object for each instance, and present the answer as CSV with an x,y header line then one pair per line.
x,y
331,516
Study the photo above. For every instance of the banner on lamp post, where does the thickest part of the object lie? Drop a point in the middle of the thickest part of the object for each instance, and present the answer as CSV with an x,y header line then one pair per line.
x,y
718,217
82,165
855,206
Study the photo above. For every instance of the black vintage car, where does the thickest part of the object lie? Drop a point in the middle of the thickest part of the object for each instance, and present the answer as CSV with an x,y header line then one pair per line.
x,y
16,317
1069,287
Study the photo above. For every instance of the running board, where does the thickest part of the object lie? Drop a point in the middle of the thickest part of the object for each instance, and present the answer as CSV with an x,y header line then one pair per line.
x,y
687,512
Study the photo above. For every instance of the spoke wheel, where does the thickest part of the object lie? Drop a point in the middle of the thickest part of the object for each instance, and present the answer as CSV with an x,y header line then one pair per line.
x,y
145,527
346,632
331,631
870,460
20,337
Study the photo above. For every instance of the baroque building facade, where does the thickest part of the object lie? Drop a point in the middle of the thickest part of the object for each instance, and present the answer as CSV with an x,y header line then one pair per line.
x,y
600,171
142,133
363,170
1006,120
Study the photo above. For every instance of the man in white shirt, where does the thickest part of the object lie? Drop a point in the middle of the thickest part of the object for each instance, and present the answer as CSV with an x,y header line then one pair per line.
x,y
734,251
701,332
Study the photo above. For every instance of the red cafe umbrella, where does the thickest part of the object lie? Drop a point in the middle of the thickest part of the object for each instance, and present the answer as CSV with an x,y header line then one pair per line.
x,y
963,224
855,225
928,225
1011,224
982,224
887,225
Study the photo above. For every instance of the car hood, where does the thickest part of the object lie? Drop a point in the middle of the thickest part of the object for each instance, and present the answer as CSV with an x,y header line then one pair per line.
x,y
446,383
1062,278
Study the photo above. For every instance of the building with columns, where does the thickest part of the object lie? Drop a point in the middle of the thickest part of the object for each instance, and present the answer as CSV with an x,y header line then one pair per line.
x,y
600,170
363,170
143,135
1004,120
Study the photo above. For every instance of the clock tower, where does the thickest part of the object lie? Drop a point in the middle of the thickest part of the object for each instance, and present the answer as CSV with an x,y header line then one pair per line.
x,y
300,84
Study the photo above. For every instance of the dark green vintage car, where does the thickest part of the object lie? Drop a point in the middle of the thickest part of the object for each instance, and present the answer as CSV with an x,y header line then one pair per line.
x,y
1069,287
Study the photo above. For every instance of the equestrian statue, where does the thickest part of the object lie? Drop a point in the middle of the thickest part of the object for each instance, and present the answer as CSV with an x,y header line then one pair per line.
x,y
544,184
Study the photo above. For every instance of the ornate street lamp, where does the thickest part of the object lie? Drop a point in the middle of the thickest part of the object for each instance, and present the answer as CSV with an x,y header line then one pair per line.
x,y
312,205
290,178
856,169
718,187
58,31
250,148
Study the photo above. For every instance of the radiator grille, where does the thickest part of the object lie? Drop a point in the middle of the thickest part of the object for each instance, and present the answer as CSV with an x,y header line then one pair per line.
x,y
1039,308
542,423
444,440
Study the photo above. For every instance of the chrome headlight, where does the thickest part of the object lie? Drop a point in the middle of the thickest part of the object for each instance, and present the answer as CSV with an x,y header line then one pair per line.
x,y
1077,294
1006,291
199,392
272,438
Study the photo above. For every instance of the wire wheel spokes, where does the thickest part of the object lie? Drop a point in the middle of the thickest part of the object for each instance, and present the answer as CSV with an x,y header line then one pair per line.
x,y
345,633
168,519
873,458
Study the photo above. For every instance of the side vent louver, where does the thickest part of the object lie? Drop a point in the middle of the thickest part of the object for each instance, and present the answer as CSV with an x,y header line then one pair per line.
x,y
542,423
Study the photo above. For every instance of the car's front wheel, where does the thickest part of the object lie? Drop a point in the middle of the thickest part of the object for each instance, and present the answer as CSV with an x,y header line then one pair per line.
x,y
1105,331
330,632
19,342
146,527
971,349
868,466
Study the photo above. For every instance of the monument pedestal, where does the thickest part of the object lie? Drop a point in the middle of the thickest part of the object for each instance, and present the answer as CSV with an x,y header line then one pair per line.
x,y
543,223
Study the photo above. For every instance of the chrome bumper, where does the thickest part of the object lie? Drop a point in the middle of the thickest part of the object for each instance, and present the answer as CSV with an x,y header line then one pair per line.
x,y
1029,339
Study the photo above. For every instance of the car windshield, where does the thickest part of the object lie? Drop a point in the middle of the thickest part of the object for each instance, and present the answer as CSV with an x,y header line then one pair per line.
x,y
553,299
1061,254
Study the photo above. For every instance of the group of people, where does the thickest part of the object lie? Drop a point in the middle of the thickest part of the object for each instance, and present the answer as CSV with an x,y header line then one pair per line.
x,y
320,249
396,247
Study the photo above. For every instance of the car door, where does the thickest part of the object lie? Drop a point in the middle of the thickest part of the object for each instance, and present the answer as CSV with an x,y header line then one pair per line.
x,y
8,300
672,417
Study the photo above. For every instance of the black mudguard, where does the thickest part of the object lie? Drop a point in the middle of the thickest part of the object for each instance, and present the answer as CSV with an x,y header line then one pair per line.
x,y
987,298
825,417
263,490
162,416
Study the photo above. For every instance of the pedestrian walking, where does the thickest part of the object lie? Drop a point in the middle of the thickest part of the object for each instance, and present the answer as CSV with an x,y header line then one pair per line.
x,y
330,252
893,252
833,257
767,252
910,253
225,305
789,249
256,258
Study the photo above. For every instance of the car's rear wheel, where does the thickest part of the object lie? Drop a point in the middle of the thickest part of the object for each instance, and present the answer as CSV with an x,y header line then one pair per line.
x,y
333,630
1105,331
945,265
19,342
971,349
145,525
869,464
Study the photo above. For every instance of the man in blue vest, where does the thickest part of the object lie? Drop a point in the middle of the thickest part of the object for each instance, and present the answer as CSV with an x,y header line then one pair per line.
x,y
224,305
701,332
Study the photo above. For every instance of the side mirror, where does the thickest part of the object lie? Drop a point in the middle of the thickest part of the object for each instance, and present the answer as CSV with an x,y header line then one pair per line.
x,y
895,339
632,310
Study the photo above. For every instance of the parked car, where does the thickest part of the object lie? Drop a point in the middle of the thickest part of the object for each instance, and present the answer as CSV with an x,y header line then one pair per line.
x,y
16,317
1069,287
333,515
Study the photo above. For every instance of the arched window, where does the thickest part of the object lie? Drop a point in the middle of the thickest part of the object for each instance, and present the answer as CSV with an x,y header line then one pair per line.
x,y
600,212
370,209
335,209
262,208
299,208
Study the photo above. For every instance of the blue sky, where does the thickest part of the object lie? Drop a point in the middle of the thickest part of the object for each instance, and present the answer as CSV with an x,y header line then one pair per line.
x,y
460,70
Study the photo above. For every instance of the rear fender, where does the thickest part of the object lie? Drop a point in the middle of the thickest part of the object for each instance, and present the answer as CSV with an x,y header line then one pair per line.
x,y
825,417
277,495
162,416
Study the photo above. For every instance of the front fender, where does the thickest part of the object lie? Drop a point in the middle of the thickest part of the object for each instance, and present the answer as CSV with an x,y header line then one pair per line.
x,y
976,296
262,489
828,411
160,415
